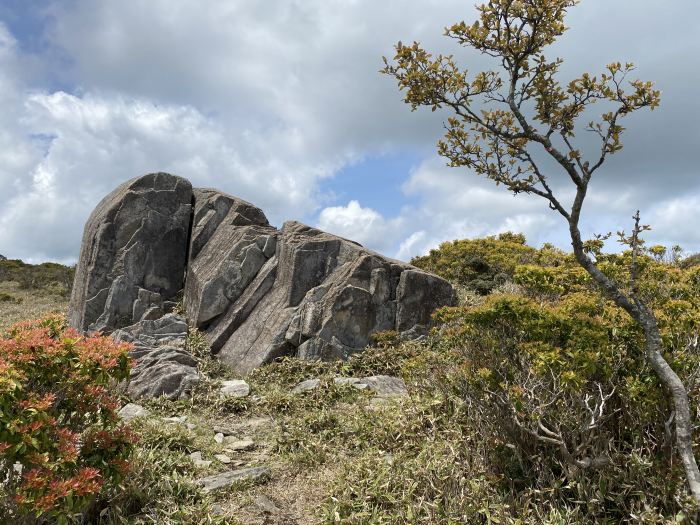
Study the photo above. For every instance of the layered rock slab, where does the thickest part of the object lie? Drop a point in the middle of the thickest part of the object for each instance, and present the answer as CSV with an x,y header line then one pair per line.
x,y
133,254
256,292
260,293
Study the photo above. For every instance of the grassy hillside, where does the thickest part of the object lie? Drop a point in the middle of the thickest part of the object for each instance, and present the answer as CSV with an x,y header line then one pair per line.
x,y
529,403
30,291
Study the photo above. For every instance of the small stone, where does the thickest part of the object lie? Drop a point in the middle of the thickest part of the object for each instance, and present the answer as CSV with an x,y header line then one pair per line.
x,y
234,388
305,386
353,381
257,422
223,430
131,411
219,437
226,479
382,386
175,420
237,445
196,458
216,510
266,505
190,426
386,386
223,458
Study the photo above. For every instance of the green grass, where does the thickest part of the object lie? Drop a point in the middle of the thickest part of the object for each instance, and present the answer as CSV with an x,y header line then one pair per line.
x,y
335,455
19,304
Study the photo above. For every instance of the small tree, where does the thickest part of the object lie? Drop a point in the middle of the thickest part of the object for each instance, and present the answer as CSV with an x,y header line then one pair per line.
x,y
527,116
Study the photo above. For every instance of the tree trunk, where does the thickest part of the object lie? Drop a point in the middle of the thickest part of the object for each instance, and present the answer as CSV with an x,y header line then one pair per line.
x,y
670,381
675,388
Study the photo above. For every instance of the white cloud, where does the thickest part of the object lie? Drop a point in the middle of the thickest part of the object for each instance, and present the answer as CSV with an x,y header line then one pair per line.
x,y
453,204
456,204
95,142
408,247
264,100
674,221
312,64
364,225
260,102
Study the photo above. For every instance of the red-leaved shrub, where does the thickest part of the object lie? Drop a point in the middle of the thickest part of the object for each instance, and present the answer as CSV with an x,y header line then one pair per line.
x,y
58,421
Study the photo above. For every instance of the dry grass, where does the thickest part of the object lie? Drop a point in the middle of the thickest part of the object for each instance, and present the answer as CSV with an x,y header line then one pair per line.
x,y
23,304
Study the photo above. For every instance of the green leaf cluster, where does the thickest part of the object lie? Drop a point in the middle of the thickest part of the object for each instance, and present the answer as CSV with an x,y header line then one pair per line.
x,y
483,264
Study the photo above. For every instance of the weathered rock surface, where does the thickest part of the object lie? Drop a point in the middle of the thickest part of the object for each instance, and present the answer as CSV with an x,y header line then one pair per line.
x,y
163,366
306,385
257,292
237,445
381,386
134,253
132,411
315,296
196,458
234,388
226,479
385,386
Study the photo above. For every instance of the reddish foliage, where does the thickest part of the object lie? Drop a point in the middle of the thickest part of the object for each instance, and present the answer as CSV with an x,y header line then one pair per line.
x,y
58,416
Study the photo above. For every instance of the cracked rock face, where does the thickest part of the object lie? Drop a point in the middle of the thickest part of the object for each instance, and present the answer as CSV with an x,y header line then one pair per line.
x,y
133,254
163,366
260,293
257,292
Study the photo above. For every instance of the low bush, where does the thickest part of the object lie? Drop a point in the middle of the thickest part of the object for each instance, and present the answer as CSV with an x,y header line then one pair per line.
x,y
50,277
558,382
481,265
62,444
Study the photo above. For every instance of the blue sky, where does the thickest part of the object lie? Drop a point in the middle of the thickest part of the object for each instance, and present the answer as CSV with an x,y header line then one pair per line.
x,y
26,21
281,103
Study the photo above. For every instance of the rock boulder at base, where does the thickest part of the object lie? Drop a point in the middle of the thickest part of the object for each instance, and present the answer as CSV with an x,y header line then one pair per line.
x,y
134,253
132,411
163,366
257,292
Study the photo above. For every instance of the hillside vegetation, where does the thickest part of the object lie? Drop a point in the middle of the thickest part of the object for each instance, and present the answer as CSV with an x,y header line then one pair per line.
x,y
31,291
530,402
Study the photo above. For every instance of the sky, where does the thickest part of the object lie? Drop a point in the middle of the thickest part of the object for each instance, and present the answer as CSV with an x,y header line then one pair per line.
x,y
281,103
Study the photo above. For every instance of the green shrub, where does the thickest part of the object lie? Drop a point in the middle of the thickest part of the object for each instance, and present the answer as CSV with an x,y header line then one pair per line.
x,y
58,421
51,277
483,264
560,391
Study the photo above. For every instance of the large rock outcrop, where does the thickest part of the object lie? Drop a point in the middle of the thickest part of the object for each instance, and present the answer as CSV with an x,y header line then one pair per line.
x,y
134,253
257,292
